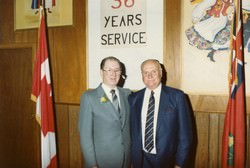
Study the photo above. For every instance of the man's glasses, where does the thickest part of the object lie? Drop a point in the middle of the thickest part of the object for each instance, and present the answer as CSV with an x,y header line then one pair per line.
x,y
111,71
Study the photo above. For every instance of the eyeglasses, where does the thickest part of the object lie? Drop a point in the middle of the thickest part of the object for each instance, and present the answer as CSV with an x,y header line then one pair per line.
x,y
111,71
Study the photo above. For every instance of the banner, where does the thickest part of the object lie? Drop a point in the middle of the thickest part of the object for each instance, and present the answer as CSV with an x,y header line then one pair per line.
x,y
131,30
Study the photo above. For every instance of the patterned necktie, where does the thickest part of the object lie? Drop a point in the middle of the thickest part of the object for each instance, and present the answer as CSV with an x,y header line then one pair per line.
x,y
115,100
149,137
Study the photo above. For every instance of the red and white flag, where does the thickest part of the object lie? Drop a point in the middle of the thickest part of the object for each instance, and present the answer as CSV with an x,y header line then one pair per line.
x,y
233,140
42,95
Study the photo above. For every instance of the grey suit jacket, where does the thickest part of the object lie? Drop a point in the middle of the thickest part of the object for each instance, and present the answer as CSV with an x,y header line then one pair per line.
x,y
104,134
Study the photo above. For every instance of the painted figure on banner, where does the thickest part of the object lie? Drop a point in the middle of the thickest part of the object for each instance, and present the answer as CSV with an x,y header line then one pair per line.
x,y
246,23
211,25
35,4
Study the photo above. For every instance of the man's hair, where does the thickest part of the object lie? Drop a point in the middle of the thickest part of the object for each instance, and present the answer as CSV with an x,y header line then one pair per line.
x,y
112,58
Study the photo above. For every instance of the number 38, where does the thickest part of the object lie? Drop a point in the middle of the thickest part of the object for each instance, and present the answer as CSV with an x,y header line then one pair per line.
x,y
127,3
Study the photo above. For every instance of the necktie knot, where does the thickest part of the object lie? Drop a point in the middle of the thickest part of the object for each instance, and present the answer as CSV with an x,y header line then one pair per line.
x,y
152,93
112,91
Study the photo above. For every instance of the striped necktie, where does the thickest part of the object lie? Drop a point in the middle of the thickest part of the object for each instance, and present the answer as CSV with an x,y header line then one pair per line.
x,y
149,137
115,100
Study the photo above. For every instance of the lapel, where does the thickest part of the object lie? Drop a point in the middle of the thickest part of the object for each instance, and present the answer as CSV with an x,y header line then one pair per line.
x,y
138,109
123,108
164,101
108,106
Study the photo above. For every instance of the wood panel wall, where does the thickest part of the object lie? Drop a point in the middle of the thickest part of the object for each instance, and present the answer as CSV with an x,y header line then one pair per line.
x,y
68,61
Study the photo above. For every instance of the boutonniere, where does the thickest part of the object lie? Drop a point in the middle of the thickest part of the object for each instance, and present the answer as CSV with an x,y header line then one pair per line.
x,y
103,99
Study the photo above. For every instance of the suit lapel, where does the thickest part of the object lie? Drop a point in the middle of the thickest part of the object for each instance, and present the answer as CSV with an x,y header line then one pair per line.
x,y
164,96
138,107
123,109
108,104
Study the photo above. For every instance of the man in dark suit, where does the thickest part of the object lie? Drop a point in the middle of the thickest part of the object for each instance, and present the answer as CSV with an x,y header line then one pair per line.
x,y
160,122
104,121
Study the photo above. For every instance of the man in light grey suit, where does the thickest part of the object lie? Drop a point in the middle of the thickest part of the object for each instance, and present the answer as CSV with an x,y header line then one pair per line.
x,y
104,121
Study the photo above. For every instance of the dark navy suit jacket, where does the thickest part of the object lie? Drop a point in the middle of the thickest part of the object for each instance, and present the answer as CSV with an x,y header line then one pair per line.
x,y
173,133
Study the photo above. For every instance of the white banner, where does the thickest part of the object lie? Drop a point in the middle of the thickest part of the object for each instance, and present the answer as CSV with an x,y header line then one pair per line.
x,y
131,30
123,25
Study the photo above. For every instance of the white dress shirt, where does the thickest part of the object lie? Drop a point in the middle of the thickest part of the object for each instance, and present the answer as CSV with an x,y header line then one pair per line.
x,y
109,94
147,93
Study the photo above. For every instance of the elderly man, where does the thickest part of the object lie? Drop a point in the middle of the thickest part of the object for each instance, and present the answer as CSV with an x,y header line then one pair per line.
x,y
104,121
160,122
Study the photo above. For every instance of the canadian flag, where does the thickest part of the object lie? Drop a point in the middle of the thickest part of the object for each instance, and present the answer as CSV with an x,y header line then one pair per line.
x,y
42,95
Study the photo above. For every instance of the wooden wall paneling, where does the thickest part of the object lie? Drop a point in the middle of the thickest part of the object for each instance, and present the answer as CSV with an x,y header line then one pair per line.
x,y
202,153
68,57
209,103
214,140
213,103
26,36
62,134
221,126
76,159
20,134
248,104
7,33
6,21
172,57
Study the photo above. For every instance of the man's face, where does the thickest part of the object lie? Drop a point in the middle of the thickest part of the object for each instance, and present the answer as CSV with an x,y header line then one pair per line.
x,y
111,73
151,74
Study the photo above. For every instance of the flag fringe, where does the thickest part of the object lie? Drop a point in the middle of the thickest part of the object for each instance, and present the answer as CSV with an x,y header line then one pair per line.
x,y
33,98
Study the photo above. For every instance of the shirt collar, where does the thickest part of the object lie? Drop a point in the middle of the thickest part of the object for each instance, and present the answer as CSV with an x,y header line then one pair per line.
x,y
156,90
107,89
